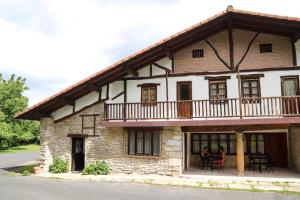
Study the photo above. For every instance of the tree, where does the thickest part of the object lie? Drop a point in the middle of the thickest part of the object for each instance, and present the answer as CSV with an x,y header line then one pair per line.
x,y
12,100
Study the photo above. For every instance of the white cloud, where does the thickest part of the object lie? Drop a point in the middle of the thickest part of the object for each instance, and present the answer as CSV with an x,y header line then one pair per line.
x,y
72,39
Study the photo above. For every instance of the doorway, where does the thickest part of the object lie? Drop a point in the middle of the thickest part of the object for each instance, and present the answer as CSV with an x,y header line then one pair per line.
x,y
184,95
77,154
290,88
276,147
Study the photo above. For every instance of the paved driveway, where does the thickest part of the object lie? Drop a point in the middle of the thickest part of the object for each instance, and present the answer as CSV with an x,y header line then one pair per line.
x,y
30,188
8,160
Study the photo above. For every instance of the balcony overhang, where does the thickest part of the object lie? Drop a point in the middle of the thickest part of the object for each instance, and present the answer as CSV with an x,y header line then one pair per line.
x,y
211,124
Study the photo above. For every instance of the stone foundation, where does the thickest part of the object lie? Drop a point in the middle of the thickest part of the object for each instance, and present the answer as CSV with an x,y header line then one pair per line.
x,y
109,144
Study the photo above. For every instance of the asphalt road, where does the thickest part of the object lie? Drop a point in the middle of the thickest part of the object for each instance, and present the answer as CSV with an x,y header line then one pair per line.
x,y
31,188
8,160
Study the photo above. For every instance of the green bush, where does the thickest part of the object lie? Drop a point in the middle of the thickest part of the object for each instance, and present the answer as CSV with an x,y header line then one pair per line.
x,y
26,173
97,168
59,166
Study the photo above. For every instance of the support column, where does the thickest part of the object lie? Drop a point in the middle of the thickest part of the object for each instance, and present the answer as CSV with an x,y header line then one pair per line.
x,y
240,153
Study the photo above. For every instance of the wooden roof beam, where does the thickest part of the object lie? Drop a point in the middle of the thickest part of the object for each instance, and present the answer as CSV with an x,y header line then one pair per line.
x,y
169,54
66,101
130,70
295,37
93,87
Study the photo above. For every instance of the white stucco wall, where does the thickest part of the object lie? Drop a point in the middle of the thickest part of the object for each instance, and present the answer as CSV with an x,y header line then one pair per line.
x,y
62,112
116,88
86,100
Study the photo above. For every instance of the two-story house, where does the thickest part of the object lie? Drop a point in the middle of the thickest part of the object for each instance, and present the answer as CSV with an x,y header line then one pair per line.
x,y
231,81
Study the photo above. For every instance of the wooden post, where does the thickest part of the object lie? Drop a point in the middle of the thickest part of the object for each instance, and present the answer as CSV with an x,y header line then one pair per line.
x,y
240,153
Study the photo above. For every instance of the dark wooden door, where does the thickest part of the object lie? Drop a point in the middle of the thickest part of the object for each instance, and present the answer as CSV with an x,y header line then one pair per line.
x,y
77,154
184,94
276,147
290,88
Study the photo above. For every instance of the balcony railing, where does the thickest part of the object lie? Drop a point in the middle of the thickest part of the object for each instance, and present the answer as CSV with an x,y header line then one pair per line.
x,y
217,108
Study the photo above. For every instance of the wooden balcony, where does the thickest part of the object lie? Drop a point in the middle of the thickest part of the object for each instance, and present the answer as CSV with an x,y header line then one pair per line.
x,y
260,107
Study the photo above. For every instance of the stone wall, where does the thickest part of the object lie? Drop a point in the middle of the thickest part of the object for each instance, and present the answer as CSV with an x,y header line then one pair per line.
x,y
294,148
109,144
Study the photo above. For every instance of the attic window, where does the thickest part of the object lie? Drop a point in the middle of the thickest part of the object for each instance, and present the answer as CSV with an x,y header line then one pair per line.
x,y
265,48
197,53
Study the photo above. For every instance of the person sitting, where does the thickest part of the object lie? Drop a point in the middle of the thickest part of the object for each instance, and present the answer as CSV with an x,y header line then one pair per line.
x,y
205,158
220,163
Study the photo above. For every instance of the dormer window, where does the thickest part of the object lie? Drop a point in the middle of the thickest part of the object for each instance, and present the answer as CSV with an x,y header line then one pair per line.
x,y
265,48
197,53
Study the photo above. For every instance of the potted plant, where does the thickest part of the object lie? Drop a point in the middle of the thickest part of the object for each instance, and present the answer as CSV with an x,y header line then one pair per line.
x,y
38,169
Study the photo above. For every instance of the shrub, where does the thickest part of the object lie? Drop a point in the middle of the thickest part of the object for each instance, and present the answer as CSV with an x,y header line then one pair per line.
x,y
97,168
59,166
25,173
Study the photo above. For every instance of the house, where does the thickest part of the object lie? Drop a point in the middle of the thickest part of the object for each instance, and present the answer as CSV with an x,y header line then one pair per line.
x,y
231,81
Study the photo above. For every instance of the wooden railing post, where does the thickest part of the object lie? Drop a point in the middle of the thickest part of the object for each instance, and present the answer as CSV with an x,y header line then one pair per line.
x,y
124,111
105,111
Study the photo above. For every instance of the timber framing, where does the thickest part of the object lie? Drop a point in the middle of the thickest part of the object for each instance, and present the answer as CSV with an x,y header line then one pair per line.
x,y
216,78
213,73
247,50
118,95
161,67
231,18
230,39
217,53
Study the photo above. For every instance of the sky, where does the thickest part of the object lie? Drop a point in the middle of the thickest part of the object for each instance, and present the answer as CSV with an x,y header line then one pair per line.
x,y
56,43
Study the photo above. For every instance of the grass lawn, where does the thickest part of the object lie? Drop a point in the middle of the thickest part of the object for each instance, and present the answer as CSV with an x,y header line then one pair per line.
x,y
22,148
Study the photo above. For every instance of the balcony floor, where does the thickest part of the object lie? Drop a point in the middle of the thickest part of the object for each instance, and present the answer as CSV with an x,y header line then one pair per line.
x,y
211,124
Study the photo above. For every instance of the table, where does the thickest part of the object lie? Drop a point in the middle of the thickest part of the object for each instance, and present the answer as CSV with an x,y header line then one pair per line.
x,y
260,160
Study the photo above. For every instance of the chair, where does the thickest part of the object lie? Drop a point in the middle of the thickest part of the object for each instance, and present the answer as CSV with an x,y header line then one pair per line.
x,y
268,163
220,164
205,163
253,163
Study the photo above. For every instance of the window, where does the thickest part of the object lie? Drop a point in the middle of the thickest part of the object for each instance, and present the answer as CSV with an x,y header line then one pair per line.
x,y
253,143
144,143
250,89
217,90
197,53
213,142
257,144
149,94
265,48
88,122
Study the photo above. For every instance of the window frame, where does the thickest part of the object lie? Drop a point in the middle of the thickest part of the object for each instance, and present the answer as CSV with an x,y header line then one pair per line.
x,y
148,87
293,77
197,53
209,141
217,82
135,132
266,48
247,141
249,80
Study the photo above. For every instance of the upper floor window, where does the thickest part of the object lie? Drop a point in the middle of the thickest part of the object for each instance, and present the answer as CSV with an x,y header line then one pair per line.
x,y
250,88
149,93
265,48
217,90
197,53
